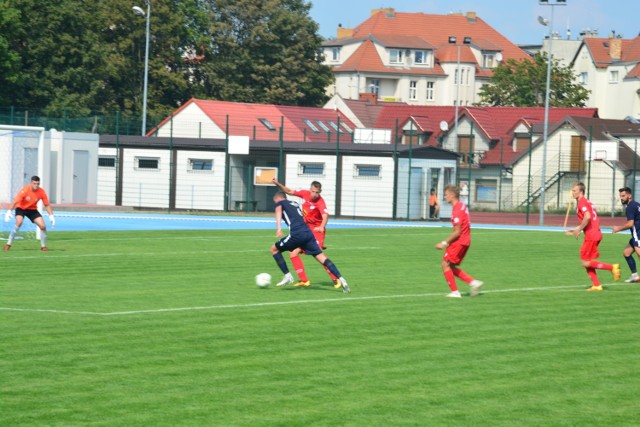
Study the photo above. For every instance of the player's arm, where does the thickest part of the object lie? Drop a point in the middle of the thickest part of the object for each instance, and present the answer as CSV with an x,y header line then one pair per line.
x,y
282,187
279,221
585,221
323,225
626,226
455,234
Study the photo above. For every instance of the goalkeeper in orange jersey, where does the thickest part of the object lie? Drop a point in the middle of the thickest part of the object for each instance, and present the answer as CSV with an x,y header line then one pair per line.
x,y
25,204
316,216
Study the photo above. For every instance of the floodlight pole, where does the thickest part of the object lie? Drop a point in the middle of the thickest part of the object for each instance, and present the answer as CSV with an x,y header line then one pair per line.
x,y
138,11
545,134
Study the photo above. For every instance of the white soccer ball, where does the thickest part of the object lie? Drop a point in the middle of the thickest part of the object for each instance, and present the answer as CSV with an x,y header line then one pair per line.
x,y
263,280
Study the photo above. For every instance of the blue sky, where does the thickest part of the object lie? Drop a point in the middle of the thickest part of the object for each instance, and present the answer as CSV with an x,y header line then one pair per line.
x,y
515,19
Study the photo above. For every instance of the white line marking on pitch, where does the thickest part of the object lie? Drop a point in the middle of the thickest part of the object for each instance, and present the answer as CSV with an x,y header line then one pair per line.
x,y
267,304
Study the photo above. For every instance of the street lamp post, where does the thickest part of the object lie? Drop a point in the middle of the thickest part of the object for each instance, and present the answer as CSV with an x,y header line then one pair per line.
x,y
453,40
545,133
138,11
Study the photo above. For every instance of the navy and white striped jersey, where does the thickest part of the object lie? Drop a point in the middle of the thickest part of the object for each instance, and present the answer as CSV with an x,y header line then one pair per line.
x,y
292,215
633,213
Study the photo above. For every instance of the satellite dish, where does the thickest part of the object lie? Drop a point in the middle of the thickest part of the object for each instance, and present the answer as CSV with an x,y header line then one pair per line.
x,y
444,126
499,56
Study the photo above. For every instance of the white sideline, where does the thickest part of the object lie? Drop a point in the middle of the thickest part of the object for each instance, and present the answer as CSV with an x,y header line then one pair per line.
x,y
267,304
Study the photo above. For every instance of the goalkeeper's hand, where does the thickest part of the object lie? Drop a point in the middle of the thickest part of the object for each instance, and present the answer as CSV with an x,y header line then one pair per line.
x,y
53,221
8,216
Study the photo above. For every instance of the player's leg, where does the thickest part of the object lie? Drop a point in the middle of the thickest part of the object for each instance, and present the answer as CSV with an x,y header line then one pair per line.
x,y
631,262
328,264
282,264
450,278
298,266
588,255
14,231
320,241
39,221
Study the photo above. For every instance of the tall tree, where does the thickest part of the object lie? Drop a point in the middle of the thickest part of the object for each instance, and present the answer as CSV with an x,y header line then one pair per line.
x,y
523,84
264,51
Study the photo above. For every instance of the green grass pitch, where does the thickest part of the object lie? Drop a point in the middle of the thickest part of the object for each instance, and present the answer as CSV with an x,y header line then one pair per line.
x,y
168,328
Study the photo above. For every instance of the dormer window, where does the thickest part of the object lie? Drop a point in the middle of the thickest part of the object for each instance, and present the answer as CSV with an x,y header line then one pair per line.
x,y
335,54
422,57
396,56
489,60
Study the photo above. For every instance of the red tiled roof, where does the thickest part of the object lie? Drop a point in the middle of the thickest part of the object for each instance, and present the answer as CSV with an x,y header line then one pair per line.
x,y
410,42
243,120
599,49
635,72
449,53
366,58
436,29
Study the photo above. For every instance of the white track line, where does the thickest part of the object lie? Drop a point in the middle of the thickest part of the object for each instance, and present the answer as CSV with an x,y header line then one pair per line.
x,y
280,303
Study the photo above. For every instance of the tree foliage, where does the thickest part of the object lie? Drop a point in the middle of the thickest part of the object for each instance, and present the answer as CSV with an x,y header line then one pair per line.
x,y
523,84
88,56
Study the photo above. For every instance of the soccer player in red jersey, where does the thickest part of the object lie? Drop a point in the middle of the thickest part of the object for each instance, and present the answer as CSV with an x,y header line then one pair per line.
x,y
590,224
26,204
457,245
316,215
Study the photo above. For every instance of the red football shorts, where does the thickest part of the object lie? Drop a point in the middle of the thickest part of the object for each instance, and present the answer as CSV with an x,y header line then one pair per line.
x,y
589,250
455,253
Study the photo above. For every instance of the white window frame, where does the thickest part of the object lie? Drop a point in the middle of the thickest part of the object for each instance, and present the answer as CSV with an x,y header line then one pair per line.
x,y
137,164
413,90
374,86
335,54
191,161
303,165
108,157
311,125
431,90
358,168
488,60
396,56
584,78
426,57
614,76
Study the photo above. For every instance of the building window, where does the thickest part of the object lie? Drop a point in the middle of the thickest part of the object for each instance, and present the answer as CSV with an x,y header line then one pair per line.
x,y
584,78
335,54
267,124
367,171
413,90
346,127
311,126
468,76
200,165
147,163
486,190
455,77
107,161
613,76
374,86
315,169
396,56
430,91
422,57
449,175
335,126
323,126
488,60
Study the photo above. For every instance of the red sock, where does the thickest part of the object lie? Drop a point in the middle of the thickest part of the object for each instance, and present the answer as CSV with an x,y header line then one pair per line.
x,y
597,265
451,280
333,276
299,267
462,275
593,276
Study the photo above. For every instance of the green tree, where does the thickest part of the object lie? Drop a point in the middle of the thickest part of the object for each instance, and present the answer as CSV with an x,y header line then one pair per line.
x,y
264,51
9,59
523,84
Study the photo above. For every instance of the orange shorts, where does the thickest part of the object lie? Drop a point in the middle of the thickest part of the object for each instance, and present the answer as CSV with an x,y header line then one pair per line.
x,y
319,238
589,250
454,253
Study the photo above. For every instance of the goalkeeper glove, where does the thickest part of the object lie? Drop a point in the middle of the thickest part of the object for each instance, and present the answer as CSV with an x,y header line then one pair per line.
x,y
8,216
53,221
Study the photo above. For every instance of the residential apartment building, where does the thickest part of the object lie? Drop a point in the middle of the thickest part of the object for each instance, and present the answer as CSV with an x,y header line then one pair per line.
x,y
417,58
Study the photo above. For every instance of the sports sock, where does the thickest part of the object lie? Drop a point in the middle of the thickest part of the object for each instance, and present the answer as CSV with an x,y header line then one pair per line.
x,y
593,276
282,264
333,276
12,235
631,262
451,280
331,267
597,265
462,275
43,239
298,266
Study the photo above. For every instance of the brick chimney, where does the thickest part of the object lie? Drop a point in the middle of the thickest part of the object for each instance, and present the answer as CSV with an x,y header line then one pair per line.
x,y
471,16
389,11
615,48
371,98
344,33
